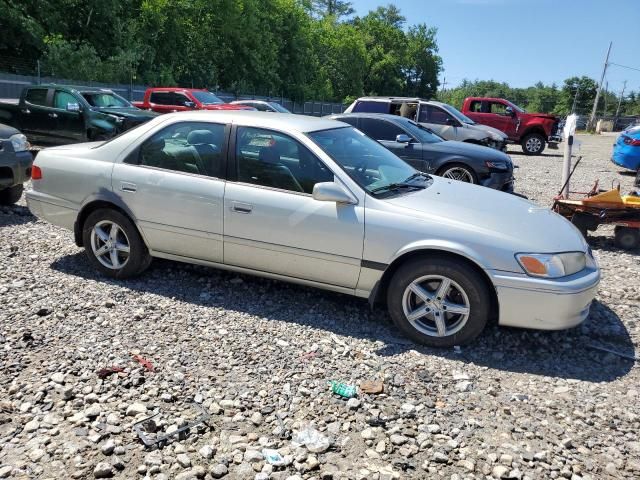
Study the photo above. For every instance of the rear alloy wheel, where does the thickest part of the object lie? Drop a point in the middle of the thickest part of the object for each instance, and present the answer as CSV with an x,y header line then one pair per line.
x,y
459,172
533,144
114,245
627,238
11,195
439,302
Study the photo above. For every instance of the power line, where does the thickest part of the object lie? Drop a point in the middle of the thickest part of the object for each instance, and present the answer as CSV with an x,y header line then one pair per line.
x,y
625,66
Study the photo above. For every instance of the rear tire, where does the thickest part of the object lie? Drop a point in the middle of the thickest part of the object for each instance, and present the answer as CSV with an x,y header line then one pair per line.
x,y
627,238
428,290
11,195
113,244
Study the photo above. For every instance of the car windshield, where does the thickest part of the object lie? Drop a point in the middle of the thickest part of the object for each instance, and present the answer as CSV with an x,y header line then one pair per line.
x,y
368,163
422,134
458,114
206,98
105,100
278,108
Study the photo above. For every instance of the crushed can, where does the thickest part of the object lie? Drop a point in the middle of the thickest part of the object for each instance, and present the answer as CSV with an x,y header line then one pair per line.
x,y
343,390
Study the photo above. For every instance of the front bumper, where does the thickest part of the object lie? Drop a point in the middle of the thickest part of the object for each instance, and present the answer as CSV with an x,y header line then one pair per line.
x,y
502,181
527,302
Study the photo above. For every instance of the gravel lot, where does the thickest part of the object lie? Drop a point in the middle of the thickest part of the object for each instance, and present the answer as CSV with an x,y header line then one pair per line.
x,y
258,354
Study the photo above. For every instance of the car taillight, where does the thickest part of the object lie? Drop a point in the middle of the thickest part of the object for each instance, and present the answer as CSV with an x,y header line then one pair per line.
x,y
36,173
631,141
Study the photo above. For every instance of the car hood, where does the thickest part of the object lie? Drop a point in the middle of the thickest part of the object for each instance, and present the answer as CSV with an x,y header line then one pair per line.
x,y
6,131
468,150
541,115
495,216
126,112
486,128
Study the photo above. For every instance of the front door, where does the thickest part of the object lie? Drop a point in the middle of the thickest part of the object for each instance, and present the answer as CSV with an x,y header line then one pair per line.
x,y
273,224
386,133
69,119
173,185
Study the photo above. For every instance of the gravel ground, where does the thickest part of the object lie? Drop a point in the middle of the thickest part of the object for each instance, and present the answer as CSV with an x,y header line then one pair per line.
x,y
257,355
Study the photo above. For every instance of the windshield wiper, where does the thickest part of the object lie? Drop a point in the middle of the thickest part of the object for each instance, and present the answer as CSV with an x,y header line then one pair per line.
x,y
397,186
416,175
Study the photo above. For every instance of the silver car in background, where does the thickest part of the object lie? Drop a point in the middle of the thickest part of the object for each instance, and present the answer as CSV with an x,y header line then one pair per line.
x,y
315,201
446,120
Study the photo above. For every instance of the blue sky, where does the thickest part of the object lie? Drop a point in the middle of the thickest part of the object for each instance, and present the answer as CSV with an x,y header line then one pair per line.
x,y
524,41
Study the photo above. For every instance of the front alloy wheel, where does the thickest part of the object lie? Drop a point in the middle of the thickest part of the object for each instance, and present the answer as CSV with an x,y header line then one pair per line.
x,y
436,305
533,144
459,173
439,301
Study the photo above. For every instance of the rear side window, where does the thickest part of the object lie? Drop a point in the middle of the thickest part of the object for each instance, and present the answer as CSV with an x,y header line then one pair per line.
x,y
189,147
476,106
380,129
161,98
37,96
371,107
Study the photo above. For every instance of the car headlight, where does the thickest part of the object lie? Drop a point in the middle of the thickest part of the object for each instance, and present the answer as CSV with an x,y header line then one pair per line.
x,y
19,142
497,165
554,265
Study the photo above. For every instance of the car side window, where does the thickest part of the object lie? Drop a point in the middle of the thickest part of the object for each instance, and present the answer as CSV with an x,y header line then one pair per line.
x,y
62,99
350,120
179,99
434,115
380,129
160,98
273,159
366,106
259,106
498,108
476,106
37,96
189,147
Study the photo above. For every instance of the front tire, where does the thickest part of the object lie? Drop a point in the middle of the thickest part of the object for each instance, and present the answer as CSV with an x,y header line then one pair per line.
x,y
11,195
533,144
113,244
439,302
458,171
627,238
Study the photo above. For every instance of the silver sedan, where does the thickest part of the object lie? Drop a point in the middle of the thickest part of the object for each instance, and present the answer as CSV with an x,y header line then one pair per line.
x,y
316,202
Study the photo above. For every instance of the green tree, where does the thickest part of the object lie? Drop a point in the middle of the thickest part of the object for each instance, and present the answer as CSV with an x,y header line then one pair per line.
x,y
330,8
585,88
422,63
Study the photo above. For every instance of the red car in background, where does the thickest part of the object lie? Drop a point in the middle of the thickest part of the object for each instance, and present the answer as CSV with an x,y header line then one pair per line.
x,y
533,131
174,99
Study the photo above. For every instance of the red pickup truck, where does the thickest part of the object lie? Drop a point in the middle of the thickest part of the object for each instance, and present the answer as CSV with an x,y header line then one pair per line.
x,y
174,99
534,131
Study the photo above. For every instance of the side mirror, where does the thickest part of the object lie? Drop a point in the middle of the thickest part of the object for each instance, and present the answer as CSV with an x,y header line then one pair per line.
x,y
189,104
404,138
509,111
451,122
332,192
73,107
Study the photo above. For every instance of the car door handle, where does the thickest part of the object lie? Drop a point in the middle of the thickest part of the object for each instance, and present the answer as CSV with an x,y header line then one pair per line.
x,y
241,207
26,111
53,115
128,187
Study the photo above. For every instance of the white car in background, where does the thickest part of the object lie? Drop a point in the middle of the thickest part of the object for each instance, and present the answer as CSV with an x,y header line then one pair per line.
x,y
317,202
445,120
262,105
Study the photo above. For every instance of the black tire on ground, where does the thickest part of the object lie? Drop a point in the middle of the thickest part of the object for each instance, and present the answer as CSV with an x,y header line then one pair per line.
x,y
473,284
533,144
11,195
139,258
465,169
627,238
585,223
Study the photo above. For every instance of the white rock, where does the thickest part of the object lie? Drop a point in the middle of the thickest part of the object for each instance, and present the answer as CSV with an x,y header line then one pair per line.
x,y
136,409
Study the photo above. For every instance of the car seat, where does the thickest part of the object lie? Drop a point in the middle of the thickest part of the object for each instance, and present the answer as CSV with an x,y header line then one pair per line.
x,y
207,152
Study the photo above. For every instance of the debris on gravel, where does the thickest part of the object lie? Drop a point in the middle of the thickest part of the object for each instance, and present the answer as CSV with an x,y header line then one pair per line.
x,y
258,356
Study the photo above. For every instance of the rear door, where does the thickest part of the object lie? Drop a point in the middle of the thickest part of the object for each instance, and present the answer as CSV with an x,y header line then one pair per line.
x,y
68,115
173,184
36,114
386,132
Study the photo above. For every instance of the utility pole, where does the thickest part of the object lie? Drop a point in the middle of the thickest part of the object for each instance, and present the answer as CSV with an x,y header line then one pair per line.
x,y
606,90
575,99
592,120
624,85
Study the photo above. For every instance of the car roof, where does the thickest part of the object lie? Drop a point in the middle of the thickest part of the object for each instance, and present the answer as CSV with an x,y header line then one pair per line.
x,y
277,121
380,116
392,99
79,88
